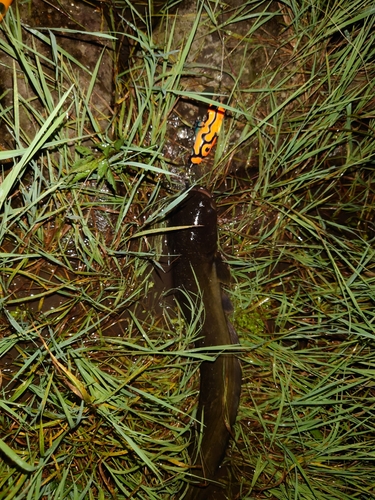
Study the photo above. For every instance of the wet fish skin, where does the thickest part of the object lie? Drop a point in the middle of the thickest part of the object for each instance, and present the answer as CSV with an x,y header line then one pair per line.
x,y
199,269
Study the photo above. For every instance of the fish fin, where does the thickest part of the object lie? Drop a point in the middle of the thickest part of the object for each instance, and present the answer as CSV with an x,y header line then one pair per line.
x,y
226,303
232,333
222,270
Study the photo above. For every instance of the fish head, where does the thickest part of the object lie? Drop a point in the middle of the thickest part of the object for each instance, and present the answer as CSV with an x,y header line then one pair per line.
x,y
198,214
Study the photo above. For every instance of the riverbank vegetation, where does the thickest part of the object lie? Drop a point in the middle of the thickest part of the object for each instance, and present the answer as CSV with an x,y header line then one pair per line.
x,y
99,375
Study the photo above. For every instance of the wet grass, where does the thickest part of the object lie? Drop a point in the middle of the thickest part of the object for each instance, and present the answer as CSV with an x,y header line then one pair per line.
x,y
98,382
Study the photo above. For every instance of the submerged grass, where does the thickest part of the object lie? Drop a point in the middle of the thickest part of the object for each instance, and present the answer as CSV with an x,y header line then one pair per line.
x,y
98,381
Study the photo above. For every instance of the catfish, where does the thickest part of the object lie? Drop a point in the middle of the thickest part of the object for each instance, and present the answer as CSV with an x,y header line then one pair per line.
x,y
197,272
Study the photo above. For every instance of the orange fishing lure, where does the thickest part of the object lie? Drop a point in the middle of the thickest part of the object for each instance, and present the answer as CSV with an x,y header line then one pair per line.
x,y
207,134
4,5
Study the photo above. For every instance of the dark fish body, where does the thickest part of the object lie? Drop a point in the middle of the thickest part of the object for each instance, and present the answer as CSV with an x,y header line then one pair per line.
x,y
198,269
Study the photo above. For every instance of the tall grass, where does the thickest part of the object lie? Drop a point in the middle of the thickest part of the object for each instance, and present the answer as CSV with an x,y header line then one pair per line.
x,y
99,384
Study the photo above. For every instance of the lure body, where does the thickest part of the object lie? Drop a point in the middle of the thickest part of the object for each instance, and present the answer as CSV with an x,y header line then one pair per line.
x,y
4,6
199,271
207,133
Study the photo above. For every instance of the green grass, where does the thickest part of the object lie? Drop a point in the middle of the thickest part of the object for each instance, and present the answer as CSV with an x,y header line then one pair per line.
x,y
99,384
